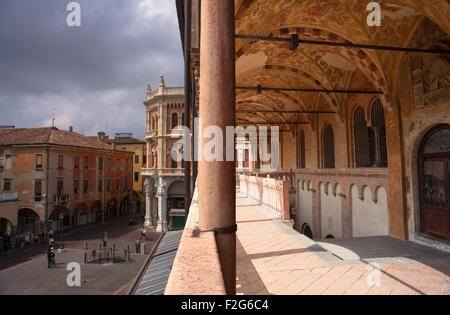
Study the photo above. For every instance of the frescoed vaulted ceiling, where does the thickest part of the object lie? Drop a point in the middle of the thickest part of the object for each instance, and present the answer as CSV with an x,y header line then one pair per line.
x,y
271,64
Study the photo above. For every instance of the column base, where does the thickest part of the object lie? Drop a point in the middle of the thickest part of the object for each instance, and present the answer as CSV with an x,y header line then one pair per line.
x,y
161,227
148,223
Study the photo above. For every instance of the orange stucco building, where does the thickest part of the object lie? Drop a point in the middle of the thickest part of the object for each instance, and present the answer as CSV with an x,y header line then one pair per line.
x,y
46,172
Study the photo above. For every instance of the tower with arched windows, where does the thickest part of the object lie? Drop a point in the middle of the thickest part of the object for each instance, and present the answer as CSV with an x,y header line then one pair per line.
x,y
164,114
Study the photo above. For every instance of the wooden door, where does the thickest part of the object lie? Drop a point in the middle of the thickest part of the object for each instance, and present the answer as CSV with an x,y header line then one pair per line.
x,y
434,169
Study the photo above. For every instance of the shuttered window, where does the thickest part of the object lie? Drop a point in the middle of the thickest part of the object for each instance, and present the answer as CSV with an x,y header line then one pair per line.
x,y
379,128
38,188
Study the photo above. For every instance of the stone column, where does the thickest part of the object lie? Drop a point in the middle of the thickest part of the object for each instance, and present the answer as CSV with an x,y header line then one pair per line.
x,y
398,215
162,207
148,204
217,180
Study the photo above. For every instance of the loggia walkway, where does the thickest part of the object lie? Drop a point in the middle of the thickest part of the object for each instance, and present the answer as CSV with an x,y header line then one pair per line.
x,y
272,258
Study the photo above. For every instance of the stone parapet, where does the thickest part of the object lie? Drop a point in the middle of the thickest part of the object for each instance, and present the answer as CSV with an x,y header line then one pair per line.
x,y
196,270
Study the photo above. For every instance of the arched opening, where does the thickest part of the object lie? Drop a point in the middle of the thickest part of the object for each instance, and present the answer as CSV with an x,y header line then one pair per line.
x,y
136,202
306,230
175,203
174,120
434,185
80,216
96,212
59,219
5,226
111,209
329,237
5,234
28,221
301,162
125,207
328,147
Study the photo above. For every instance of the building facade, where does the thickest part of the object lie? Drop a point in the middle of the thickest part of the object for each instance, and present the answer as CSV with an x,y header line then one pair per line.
x,y
163,175
126,142
53,179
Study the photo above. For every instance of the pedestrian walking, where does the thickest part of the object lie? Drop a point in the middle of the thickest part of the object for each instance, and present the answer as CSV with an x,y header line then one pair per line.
x,y
35,239
144,233
41,237
21,240
105,239
137,243
27,239
51,256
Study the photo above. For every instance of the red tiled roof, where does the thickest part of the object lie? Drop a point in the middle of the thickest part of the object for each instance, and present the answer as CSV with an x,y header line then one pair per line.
x,y
124,141
52,136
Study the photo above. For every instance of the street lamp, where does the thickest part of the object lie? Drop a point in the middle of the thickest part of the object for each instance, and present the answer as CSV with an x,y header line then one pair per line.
x,y
61,216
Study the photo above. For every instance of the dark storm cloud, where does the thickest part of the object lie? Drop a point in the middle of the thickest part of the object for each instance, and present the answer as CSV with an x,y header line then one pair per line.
x,y
93,75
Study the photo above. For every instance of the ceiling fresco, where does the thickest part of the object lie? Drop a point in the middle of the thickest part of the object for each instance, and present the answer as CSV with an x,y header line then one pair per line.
x,y
327,67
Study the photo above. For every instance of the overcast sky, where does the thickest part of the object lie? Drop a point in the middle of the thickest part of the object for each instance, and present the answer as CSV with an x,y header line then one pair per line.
x,y
94,75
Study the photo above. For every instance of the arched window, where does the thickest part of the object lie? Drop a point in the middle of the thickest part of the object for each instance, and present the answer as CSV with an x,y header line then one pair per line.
x,y
364,145
174,120
153,123
379,134
301,163
328,147
434,182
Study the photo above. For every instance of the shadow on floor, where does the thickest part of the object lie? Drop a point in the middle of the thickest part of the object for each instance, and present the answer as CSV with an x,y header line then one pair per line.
x,y
247,279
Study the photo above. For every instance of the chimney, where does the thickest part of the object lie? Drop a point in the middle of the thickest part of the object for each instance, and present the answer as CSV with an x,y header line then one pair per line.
x,y
71,128
101,135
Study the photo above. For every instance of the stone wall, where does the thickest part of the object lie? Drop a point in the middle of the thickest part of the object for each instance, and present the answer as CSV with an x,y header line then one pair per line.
x,y
342,202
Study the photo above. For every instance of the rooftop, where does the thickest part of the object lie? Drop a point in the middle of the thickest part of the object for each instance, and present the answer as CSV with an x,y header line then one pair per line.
x,y
129,140
50,136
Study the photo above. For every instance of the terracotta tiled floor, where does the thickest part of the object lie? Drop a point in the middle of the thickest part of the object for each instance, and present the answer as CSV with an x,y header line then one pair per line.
x,y
274,259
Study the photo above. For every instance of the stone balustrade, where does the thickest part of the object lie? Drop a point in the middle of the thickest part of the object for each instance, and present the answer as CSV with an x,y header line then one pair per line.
x,y
269,192
162,172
